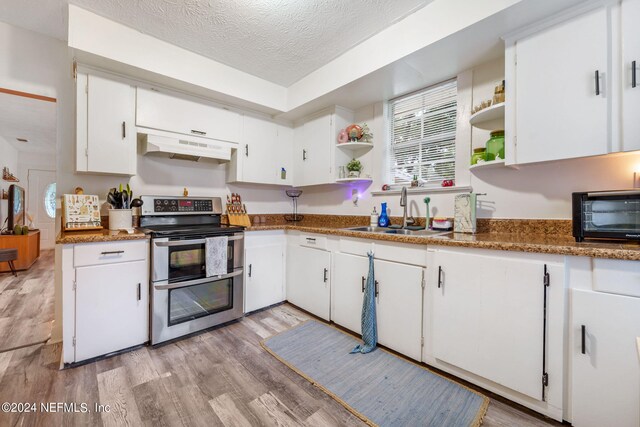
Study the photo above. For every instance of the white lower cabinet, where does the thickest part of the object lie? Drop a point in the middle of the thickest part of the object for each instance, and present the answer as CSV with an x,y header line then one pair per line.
x,y
264,275
308,279
489,317
112,308
399,308
605,362
347,287
398,300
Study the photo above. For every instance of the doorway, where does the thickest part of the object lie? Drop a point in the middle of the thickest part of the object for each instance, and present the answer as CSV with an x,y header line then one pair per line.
x,y
41,205
28,141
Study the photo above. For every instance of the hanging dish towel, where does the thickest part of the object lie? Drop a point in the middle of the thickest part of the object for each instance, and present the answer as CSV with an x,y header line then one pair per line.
x,y
216,255
368,319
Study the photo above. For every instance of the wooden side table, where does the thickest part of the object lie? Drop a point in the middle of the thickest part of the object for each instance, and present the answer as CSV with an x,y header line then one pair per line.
x,y
28,247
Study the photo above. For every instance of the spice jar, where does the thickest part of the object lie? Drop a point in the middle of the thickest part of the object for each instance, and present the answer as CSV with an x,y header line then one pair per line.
x,y
495,146
478,154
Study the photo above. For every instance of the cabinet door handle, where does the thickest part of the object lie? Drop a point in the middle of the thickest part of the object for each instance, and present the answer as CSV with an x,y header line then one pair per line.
x,y
376,287
139,291
246,150
325,278
633,74
124,130
597,82
111,252
304,155
198,132
250,265
583,333
311,239
439,276
363,280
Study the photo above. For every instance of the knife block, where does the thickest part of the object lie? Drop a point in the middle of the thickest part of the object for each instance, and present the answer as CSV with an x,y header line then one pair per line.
x,y
239,219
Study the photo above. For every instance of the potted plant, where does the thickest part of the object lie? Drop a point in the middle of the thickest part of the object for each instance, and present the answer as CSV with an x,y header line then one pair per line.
x,y
354,167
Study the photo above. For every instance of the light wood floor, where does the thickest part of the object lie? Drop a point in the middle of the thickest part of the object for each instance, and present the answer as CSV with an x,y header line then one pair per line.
x,y
26,304
218,378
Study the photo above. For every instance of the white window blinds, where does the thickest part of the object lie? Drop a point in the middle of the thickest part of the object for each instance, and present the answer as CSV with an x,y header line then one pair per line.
x,y
422,130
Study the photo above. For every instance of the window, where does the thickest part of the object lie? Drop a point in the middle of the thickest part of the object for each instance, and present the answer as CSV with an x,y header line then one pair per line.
x,y
422,138
50,200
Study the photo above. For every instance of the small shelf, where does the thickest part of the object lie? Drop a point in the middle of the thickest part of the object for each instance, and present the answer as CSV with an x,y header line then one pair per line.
x,y
495,112
488,165
351,180
11,179
353,146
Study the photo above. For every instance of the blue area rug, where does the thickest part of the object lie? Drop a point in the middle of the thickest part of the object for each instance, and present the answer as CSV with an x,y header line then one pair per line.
x,y
378,387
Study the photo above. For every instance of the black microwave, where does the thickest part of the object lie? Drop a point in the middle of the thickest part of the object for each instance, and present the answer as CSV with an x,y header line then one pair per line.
x,y
606,215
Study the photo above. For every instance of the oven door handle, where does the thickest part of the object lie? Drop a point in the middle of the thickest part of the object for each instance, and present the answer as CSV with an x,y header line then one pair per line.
x,y
193,242
614,193
198,281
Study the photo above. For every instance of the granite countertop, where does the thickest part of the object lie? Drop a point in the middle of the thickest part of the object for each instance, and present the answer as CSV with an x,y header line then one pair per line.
x,y
537,243
537,236
94,236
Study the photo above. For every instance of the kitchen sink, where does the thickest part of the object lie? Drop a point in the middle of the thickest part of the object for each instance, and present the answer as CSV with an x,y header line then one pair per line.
x,y
401,231
427,233
368,229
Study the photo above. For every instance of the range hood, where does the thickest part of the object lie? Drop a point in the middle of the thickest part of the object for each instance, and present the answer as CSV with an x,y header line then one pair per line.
x,y
184,147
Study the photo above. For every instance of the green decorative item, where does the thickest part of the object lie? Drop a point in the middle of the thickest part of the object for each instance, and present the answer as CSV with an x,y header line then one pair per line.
x,y
478,155
495,146
427,200
354,167
17,230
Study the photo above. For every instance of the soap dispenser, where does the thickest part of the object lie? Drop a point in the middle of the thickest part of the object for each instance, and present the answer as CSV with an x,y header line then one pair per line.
x,y
383,220
374,218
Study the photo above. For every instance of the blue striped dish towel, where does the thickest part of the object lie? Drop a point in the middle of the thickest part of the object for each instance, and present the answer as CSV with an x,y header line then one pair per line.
x,y
368,319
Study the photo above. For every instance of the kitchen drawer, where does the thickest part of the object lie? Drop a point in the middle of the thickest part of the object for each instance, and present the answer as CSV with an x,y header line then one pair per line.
x,y
616,276
313,241
355,246
109,253
401,252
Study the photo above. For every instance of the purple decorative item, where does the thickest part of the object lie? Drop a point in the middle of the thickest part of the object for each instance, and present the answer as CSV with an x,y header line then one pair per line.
x,y
343,137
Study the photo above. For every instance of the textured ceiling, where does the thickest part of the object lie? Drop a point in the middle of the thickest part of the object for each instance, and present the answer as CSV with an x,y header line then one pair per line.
x,y
28,118
278,40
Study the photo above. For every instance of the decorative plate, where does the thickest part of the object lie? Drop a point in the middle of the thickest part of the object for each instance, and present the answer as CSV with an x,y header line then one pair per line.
x,y
354,131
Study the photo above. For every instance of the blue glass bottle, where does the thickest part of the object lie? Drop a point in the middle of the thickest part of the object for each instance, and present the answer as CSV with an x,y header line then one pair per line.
x,y
383,220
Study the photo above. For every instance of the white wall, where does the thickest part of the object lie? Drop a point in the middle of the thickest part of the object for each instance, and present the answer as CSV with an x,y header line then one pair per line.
x,y
533,191
33,63
37,64
31,160
164,176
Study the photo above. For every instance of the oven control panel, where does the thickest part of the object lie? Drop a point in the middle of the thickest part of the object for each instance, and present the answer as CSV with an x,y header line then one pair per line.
x,y
154,205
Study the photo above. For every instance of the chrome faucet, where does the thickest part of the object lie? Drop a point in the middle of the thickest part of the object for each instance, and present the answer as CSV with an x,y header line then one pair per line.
x,y
403,203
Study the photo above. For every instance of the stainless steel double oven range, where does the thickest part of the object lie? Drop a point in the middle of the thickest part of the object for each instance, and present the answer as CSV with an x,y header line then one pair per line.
x,y
183,299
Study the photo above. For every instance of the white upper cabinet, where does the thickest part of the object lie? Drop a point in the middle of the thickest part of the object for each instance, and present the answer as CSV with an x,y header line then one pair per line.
x,y
105,125
264,151
314,146
177,113
630,14
562,91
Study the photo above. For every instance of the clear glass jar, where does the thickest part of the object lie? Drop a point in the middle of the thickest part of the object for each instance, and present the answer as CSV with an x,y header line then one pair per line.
x,y
478,154
495,146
